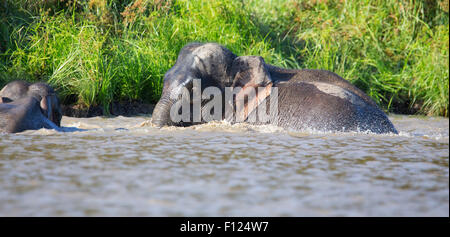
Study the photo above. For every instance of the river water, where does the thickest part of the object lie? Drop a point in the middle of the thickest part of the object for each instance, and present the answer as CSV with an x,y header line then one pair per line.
x,y
124,166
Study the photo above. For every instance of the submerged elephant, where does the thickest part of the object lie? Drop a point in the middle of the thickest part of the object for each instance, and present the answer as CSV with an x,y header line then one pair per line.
x,y
306,99
25,106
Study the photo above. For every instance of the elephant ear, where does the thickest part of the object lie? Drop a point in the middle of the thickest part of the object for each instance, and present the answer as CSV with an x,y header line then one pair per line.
x,y
46,106
251,75
56,113
250,71
5,100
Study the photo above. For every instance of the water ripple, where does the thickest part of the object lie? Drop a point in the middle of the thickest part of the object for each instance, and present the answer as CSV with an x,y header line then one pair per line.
x,y
128,167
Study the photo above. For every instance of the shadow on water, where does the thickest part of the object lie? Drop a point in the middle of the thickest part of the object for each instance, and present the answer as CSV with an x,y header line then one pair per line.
x,y
72,129
75,129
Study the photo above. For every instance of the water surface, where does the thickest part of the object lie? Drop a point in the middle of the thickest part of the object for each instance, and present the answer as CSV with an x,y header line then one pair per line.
x,y
124,166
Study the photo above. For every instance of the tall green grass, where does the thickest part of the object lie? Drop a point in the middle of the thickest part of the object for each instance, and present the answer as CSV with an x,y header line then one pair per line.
x,y
99,51
396,51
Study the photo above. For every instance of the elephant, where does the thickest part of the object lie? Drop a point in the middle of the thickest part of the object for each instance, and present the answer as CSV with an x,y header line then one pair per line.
x,y
306,99
26,106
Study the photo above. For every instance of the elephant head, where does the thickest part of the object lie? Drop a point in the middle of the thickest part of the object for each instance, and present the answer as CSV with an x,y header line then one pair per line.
x,y
47,97
215,66
210,62
23,114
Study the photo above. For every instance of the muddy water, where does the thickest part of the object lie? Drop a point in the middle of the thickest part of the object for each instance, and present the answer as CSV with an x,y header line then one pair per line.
x,y
125,166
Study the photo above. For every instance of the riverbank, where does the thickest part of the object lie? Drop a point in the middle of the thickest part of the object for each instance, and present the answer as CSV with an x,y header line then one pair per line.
x,y
124,108
132,108
98,52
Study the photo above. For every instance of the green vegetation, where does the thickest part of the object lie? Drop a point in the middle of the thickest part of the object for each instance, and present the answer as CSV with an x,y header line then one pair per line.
x,y
95,52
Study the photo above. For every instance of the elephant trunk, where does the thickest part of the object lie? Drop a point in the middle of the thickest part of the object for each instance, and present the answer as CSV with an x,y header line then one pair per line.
x,y
161,113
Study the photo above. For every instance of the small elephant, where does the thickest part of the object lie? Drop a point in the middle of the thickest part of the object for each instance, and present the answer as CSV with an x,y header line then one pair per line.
x,y
25,106
306,99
